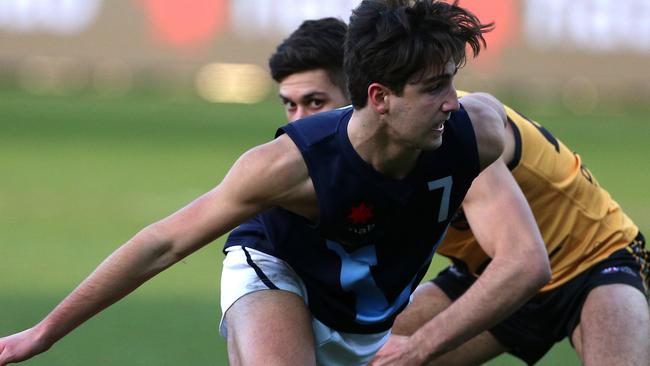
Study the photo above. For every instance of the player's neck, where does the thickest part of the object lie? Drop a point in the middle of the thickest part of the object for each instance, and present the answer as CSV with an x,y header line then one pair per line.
x,y
374,143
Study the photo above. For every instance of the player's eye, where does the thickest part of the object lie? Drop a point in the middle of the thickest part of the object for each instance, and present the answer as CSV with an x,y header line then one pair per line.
x,y
439,86
316,103
289,105
432,89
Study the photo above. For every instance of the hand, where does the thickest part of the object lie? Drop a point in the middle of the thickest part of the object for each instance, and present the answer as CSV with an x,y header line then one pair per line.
x,y
21,346
399,350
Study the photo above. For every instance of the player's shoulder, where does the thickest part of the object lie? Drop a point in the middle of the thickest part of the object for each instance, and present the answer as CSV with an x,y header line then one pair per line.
x,y
487,108
270,172
316,127
277,155
488,118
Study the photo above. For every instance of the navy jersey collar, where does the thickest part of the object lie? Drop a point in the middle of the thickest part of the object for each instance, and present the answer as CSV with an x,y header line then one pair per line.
x,y
398,189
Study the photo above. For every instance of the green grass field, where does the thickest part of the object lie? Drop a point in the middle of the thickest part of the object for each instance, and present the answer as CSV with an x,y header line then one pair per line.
x,y
80,175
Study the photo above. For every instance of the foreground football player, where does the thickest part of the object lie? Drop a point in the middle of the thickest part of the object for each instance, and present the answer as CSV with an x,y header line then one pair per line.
x,y
352,203
308,67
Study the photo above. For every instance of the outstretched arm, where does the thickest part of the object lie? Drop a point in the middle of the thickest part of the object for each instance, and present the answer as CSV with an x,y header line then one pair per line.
x,y
269,175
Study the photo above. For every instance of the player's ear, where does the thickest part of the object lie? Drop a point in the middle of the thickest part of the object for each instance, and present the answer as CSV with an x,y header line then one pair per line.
x,y
378,98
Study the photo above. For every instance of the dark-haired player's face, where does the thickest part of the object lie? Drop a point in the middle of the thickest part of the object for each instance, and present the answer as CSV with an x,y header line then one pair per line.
x,y
418,116
308,92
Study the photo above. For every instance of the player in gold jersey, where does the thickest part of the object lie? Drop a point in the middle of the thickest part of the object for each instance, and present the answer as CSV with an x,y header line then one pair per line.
x,y
598,293
589,241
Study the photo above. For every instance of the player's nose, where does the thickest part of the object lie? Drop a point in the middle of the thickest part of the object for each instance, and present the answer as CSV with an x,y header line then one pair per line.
x,y
451,103
301,112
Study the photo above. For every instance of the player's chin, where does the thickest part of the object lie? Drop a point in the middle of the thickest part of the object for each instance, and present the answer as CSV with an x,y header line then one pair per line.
x,y
432,143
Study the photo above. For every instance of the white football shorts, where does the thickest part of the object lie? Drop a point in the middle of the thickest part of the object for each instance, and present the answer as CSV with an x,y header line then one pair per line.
x,y
333,348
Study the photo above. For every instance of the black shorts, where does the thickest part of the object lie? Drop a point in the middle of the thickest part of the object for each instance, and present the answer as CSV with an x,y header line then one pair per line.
x,y
550,316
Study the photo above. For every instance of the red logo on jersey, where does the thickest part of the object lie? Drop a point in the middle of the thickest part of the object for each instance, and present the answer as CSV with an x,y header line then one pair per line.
x,y
360,214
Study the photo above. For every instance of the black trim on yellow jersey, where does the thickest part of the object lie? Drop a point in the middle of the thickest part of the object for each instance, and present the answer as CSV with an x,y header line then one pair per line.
x,y
517,155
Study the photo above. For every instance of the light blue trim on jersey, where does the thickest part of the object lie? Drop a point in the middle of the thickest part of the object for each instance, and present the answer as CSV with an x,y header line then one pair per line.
x,y
371,304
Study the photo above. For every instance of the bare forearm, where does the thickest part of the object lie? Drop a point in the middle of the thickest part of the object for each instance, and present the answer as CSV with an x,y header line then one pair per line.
x,y
499,291
122,272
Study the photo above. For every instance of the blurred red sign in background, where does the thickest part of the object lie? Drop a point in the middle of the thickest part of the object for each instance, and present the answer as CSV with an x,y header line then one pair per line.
x,y
186,25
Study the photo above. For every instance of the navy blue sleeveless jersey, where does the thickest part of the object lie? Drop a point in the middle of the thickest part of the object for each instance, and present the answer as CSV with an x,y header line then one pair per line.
x,y
375,236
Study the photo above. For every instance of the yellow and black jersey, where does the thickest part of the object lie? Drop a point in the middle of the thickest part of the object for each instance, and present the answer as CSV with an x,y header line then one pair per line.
x,y
579,221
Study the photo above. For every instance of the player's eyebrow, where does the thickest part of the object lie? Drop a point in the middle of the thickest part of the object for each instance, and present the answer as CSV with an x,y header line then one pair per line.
x,y
313,95
306,97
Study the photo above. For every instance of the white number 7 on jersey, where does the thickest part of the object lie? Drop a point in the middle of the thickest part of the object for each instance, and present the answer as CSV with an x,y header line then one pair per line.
x,y
444,183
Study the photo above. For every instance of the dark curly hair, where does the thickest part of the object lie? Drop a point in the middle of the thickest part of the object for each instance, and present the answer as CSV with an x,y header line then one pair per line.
x,y
391,41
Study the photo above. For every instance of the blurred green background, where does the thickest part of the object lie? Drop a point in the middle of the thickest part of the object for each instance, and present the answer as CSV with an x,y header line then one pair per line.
x,y
79,175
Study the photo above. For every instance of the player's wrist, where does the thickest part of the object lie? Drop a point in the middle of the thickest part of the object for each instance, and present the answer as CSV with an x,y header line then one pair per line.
x,y
424,347
44,334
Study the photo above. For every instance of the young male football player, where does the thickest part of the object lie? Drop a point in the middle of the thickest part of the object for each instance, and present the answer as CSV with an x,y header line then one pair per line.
x,y
308,67
352,204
